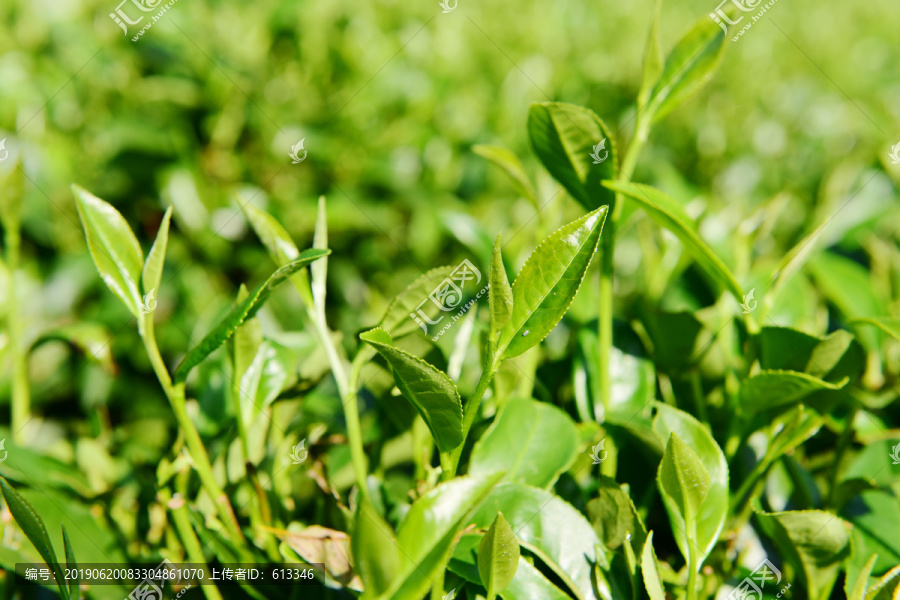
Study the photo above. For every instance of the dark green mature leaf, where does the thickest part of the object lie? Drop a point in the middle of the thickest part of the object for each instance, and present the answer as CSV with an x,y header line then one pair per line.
x,y
243,311
650,571
873,513
529,583
712,513
501,298
532,442
547,284
689,66
430,390
576,148
398,318
829,358
72,565
816,542
614,517
376,552
153,267
669,214
428,531
279,244
548,527
498,557
511,165
116,252
769,389
33,527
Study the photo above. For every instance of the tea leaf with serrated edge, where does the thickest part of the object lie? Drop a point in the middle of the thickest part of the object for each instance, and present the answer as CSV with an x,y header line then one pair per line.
x,y
564,137
397,319
430,390
498,557
500,298
650,571
243,311
153,267
547,284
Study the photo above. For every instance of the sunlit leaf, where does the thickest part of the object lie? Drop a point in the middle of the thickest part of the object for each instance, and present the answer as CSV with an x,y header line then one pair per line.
x,y
498,557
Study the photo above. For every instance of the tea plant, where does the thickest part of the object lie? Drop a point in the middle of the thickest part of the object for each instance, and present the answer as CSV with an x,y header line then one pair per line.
x,y
765,462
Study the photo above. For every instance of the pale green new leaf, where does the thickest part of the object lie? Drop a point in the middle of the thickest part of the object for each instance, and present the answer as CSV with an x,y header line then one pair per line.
x,y
500,297
532,442
860,586
430,390
511,165
654,60
428,531
564,137
816,542
279,244
547,284
319,269
153,267
684,483
397,319
669,214
886,588
33,527
376,553
243,311
650,571
689,66
116,252
498,557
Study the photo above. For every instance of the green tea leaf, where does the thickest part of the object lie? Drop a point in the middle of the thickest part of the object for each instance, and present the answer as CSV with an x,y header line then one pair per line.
x,y
889,325
529,583
500,297
532,442
650,571
116,252
549,281
428,531
398,318
770,389
432,393
279,244
498,557
376,553
816,542
72,565
576,148
654,60
848,285
512,166
243,311
858,591
91,339
684,484
887,587
153,268
713,512
549,528
33,527
689,67
614,517
669,214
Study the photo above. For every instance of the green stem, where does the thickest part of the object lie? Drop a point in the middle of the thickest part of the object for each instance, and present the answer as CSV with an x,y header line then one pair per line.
x,y
189,539
21,395
693,567
470,412
175,394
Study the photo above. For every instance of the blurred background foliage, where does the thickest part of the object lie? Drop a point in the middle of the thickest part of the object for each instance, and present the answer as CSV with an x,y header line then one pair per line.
x,y
390,97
